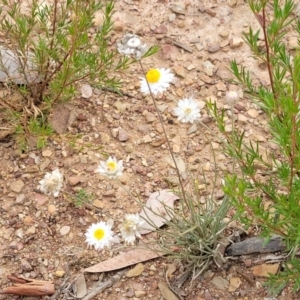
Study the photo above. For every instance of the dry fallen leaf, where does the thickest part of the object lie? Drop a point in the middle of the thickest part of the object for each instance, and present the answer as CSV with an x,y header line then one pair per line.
x,y
154,212
123,260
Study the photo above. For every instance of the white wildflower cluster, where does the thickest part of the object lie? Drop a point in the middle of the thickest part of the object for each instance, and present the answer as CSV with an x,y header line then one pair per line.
x,y
131,45
100,235
52,183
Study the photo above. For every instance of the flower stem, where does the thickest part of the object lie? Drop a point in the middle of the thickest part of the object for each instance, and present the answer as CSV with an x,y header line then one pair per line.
x,y
165,134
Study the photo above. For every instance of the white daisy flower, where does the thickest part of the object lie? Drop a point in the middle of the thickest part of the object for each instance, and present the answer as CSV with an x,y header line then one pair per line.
x,y
187,110
52,183
131,45
232,97
159,80
99,235
111,167
130,228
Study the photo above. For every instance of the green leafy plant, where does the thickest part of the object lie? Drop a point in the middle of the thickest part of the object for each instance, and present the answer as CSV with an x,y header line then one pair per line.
x,y
266,190
81,197
49,48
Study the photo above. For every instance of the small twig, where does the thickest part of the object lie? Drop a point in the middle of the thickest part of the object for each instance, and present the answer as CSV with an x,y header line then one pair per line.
x,y
98,288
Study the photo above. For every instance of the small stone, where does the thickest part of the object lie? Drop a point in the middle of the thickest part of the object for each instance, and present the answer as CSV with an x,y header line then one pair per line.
x,y
221,86
136,271
20,198
30,230
179,70
120,106
97,203
143,128
109,193
122,135
28,220
265,270
220,283
208,68
181,24
26,266
152,268
45,164
176,148
60,273
232,3
51,209
150,118
253,113
73,180
213,47
224,33
64,230
210,12
234,284
139,294
114,132
158,142
47,153
104,138
236,42
172,17
129,148
205,78
223,72
242,119
17,186
192,129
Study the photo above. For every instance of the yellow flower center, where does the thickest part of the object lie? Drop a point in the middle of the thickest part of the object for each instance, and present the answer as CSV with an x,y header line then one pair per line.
x,y
111,166
153,76
99,234
187,111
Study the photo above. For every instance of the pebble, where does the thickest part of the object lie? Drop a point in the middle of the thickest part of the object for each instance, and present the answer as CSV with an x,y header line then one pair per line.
x,y
208,68
213,47
144,128
136,271
73,180
20,198
150,118
253,113
60,273
192,129
45,164
65,230
236,42
220,282
122,135
221,86
30,231
47,153
242,119
51,209
26,266
234,284
28,220
17,186
104,138
139,294
97,203
265,270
